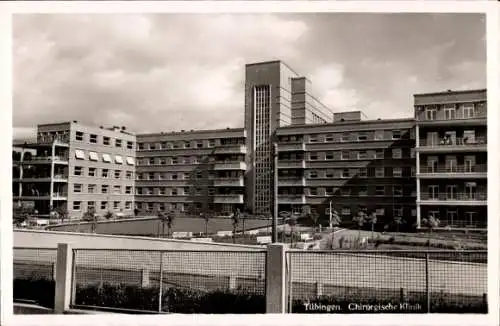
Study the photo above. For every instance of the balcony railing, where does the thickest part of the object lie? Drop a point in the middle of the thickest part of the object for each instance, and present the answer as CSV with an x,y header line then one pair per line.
x,y
291,199
478,168
291,147
43,177
229,182
230,166
442,117
62,139
292,164
291,182
42,196
46,159
228,199
460,196
230,149
462,142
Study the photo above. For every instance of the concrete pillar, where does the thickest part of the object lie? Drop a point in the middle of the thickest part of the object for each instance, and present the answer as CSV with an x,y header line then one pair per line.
x,y
64,271
276,278
145,279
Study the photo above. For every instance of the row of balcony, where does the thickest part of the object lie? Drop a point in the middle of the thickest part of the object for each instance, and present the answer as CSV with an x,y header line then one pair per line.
x,y
455,198
42,196
452,144
217,198
42,178
60,159
454,171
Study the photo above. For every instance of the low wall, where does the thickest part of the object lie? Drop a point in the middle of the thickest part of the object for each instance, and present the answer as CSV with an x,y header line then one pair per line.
x,y
50,239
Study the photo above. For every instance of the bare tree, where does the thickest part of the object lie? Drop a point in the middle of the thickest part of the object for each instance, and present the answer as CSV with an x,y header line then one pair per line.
x,y
360,220
236,221
431,223
90,216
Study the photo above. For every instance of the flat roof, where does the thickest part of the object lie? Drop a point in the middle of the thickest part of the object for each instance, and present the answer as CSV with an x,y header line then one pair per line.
x,y
186,132
452,92
348,122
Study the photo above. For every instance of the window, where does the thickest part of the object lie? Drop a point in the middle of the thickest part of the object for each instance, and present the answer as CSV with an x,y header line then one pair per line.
x,y
128,175
187,145
92,172
79,154
104,189
313,191
106,158
128,205
344,155
363,191
380,211
397,191
104,205
363,173
345,211
329,174
379,135
93,156
211,143
345,174
77,187
174,192
362,155
128,190
397,153
396,134
379,190
78,170
313,138
79,136
116,205
105,173
430,114
328,191
118,174
397,172
93,138
379,172
345,137
398,210
328,137
118,159
140,145
313,156
412,152
130,160
329,156
118,143
77,205
105,140
130,145
379,154
362,136
199,144
117,189
412,171
449,112
175,160
91,205
91,188
468,110
152,146
151,176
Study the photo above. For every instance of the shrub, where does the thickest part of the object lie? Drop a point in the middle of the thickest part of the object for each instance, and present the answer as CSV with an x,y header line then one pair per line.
x,y
42,291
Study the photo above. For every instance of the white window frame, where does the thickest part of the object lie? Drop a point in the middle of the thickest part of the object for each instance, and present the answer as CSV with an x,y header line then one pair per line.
x,y
468,110
377,174
395,152
398,174
77,205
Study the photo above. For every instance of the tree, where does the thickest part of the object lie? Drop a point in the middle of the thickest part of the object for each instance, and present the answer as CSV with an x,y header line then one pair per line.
x,y
236,221
373,220
206,216
292,221
22,214
359,219
335,222
431,223
90,216
162,219
136,211
109,215
62,213
398,220
170,221
314,217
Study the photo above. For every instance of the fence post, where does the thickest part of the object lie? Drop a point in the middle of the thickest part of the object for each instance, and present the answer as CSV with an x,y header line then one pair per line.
x,y
232,283
144,277
427,285
54,267
64,269
319,289
276,279
160,293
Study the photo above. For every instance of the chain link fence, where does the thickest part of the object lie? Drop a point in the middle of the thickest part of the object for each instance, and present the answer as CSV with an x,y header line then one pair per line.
x,y
387,281
191,281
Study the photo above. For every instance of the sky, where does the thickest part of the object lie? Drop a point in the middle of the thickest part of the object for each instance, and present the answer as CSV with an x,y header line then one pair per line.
x,y
167,72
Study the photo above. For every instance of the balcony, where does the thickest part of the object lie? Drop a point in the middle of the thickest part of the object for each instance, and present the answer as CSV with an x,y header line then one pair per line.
x,y
229,182
291,199
458,145
460,199
292,147
54,139
292,164
479,118
58,159
291,182
230,166
231,149
228,199
458,171
42,178
42,196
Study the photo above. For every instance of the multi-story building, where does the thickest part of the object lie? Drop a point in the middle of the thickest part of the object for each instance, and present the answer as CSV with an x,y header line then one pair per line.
x,y
433,164
451,152
353,164
76,168
191,171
